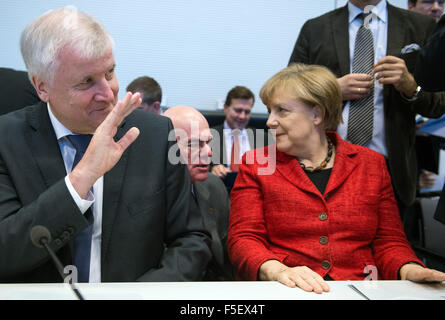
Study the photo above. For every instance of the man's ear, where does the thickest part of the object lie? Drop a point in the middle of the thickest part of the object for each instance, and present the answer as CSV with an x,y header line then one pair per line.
x,y
157,107
42,88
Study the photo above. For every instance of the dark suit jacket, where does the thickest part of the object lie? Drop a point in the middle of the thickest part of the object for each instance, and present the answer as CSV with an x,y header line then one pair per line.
x,y
439,215
145,204
325,41
16,91
213,203
430,67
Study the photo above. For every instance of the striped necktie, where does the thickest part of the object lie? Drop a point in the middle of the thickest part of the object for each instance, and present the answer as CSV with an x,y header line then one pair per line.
x,y
361,112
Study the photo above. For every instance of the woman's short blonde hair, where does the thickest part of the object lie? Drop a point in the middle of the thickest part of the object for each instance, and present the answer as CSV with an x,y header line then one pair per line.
x,y
312,85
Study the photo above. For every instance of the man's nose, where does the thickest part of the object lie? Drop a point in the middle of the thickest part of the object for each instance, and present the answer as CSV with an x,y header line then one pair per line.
x,y
105,91
435,6
242,115
206,153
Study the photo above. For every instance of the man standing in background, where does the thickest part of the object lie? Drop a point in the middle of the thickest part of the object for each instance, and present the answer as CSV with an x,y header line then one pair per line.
x,y
372,46
433,8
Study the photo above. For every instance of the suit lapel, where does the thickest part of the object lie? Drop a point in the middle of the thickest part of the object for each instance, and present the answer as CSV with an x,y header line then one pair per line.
x,y
219,145
46,152
223,145
396,32
112,186
396,39
44,146
210,218
251,137
340,33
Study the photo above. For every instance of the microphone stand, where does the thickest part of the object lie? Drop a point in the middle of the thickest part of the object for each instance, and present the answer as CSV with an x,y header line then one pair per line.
x,y
59,266
40,237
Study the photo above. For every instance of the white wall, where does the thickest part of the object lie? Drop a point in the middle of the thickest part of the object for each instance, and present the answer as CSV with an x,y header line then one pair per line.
x,y
196,49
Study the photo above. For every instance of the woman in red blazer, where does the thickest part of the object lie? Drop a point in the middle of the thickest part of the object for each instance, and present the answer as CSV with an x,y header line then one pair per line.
x,y
326,210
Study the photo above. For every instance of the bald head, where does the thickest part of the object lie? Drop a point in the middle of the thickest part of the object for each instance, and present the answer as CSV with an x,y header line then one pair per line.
x,y
193,136
183,117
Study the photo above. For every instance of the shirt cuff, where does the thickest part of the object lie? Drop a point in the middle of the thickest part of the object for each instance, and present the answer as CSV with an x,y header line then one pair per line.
x,y
82,204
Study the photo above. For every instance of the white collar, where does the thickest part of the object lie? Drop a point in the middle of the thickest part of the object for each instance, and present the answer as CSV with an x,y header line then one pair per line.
x,y
60,130
380,10
226,127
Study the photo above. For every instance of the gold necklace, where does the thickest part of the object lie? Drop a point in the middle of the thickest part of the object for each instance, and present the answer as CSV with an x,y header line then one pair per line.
x,y
324,163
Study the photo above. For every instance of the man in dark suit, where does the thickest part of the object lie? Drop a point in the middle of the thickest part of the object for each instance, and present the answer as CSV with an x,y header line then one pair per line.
x,y
398,34
209,196
16,91
430,74
121,213
233,137
430,67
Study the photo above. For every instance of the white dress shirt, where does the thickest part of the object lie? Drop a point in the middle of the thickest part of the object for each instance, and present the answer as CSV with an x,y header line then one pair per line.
x,y
228,140
379,29
94,200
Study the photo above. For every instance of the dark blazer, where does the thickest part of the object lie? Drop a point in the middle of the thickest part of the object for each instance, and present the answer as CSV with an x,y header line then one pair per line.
x,y
430,67
325,41
16,91
213,203
145,205
283,216
439,215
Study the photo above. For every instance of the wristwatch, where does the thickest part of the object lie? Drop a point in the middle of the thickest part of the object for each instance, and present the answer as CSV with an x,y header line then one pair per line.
x,y
415,94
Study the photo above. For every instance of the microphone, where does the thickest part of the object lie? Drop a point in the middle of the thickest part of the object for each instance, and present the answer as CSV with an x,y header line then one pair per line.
x,y
41,237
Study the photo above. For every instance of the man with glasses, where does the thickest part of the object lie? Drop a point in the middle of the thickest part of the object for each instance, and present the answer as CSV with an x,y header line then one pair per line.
x,y
433,8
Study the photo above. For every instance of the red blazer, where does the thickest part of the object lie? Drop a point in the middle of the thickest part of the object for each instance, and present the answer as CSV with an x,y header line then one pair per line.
x,y
283,216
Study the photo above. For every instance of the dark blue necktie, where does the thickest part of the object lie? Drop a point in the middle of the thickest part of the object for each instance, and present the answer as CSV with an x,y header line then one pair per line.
x,y
82,242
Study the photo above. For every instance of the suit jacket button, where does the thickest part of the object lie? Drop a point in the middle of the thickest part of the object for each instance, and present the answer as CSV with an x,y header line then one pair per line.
x,y
323,240
323,216
325,264
65,236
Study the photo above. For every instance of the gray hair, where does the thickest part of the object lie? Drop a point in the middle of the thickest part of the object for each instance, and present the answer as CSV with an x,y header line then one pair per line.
x,y
42,39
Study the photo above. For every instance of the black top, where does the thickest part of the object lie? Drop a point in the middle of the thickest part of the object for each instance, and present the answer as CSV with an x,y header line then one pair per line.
x,y
319,178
